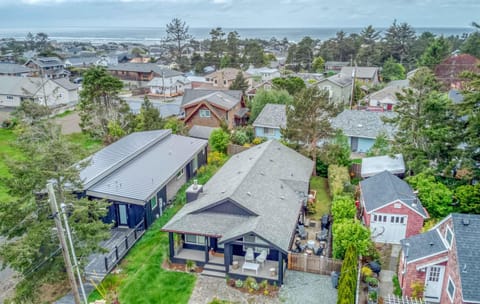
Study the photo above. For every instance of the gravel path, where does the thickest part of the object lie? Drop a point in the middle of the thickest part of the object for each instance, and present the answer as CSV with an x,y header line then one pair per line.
x,y
69,123
207,288
307,288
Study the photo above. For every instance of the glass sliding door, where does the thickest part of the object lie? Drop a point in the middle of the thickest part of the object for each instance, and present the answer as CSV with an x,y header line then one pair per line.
x,y
122,215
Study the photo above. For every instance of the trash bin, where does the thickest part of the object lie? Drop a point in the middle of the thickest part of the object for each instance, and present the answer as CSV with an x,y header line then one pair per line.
x,y
335,276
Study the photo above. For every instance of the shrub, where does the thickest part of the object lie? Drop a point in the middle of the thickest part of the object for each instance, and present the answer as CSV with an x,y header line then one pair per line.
x,y
239,283
418,287
338,179
343,207
250,282
397,290
348,277
366,272
349,233
239,137
258,140
216,158
264,284
219,140
373,282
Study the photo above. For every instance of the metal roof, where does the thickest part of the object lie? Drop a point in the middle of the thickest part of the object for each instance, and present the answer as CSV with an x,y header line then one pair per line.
x,y
272,116
258,180
385,188
13,68
378,164
200,131
144,68
150,170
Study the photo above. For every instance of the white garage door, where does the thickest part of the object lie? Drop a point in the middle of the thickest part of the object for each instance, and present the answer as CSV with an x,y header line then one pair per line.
x,y
389,228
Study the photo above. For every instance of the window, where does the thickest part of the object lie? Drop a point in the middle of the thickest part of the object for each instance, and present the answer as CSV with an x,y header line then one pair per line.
x,y
195,163
10,97
224,82
194,239
205,113
252,239
180,173
397,205
449,237
153,202
451,289
268,131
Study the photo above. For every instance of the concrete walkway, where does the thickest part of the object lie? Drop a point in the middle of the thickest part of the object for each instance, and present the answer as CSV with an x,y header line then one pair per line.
x,y
388,271
307,288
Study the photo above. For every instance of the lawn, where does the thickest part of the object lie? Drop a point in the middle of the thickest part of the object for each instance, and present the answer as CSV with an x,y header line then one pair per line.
x,y
142,278
324,201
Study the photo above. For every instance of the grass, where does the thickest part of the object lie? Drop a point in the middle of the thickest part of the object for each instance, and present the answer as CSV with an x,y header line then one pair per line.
x,y
142,278
324,201
63,114
7,138
88,144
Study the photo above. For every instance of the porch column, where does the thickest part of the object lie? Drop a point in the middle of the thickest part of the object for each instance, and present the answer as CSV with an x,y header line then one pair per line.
x,y
226,256
206,250
171,249
280,269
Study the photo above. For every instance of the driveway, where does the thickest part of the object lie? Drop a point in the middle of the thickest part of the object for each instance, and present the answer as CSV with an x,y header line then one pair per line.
x,y
306,288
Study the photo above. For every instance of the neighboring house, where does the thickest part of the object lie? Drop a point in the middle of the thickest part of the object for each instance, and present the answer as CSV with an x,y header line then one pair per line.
x,y
265,85
445,260
50,67
363,127
269,122
201,132
254,201
139,75
210,108
224,78
365,75
390,208
141,173
386,98
50,92
377,164
13,69
339,88
265,74
81,62
335,66
455,95
166,109
173,85
448,71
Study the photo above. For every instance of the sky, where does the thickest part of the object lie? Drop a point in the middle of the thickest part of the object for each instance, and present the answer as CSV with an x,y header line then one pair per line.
x,y
237,13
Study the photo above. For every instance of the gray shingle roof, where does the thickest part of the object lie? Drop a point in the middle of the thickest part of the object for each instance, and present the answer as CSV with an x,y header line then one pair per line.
x,y
256,180
338,79
166,109
66,84
113,156
360,72
144,68
272,116
20,86
150,170
13,68
385,188
467,240
47,61
366,124
200,131
378,164
422,245
226,99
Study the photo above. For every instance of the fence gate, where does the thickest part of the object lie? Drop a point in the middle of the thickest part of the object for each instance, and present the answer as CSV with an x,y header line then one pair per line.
x,y
392,299
313,263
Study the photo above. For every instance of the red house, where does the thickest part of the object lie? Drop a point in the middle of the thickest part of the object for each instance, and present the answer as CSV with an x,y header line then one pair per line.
x,y
444,260
448,71
390,208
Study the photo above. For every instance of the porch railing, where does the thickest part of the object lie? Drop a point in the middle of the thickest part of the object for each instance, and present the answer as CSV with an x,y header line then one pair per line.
x,y
121,248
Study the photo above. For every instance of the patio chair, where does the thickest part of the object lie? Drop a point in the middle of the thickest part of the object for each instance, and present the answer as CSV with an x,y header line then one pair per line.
x,y
302,232
249,256
262,257
322,236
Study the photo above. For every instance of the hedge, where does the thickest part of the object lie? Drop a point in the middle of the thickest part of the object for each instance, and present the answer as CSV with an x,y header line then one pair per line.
x,y
338,178
347,285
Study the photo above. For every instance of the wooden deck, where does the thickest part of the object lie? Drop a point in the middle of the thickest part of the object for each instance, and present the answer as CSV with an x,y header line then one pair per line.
x,y
117,246
263,270
191,254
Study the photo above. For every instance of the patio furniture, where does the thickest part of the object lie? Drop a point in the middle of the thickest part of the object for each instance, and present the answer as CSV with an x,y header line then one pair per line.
x,y
325,221
322,235
273,271
235,265
311,244
262,257
250,266
249,256
318,250
302,232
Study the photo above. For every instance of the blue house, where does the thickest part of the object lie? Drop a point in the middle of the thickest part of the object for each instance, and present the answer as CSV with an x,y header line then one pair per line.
x,y
363,127
141,173
269,122
249,211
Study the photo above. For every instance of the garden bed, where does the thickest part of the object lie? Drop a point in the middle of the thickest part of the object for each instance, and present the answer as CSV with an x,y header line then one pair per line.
x,y
251,286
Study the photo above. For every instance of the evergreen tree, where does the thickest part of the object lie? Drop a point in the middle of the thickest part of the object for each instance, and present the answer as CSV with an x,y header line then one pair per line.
x,y
392,70
217,44
233,44
308,119
149,117
437,50
472,44
26,220
239,83
292,84
177,32
263,97
399,40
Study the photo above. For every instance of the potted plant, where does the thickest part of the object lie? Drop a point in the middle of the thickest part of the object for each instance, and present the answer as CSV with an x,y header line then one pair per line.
x,y
372,297
190,266
372,284
366,273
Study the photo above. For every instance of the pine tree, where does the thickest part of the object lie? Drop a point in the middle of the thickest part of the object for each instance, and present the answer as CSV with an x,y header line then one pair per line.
x,y
149,117
239,83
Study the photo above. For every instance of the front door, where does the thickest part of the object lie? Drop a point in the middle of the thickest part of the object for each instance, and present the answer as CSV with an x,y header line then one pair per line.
x,y
433,283
122,215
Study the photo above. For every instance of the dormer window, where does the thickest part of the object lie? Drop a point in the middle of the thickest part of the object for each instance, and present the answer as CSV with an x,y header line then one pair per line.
x,y
449,237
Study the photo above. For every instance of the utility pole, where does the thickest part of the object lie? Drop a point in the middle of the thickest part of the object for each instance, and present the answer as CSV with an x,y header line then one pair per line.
x,y
72,248
353,87
66,256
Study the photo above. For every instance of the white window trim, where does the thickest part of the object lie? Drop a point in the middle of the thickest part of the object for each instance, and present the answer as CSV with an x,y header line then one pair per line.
x,y
452,297
203,113
449,244
180,173
268,131
197,241
258,241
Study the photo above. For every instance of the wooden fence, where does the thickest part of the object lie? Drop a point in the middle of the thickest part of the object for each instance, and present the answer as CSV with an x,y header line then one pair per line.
x,y
313,263
233,149
356,170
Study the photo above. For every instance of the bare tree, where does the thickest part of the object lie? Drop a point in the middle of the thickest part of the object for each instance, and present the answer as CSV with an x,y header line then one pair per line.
x,y
177,32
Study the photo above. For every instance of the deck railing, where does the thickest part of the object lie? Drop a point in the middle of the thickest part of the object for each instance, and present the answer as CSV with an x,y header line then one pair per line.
x,y
121,248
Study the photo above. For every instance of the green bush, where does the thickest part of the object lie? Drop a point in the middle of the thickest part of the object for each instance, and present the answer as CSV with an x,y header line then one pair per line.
x,y
219,140
397,290
348,277
338,179
239,283
343,207
239,137
348,233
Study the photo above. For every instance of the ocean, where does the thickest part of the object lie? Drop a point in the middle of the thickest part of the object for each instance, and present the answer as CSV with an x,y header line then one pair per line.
x,y
154,35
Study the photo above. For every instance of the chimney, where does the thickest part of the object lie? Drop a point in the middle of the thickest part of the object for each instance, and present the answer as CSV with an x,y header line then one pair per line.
x,y
193,191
